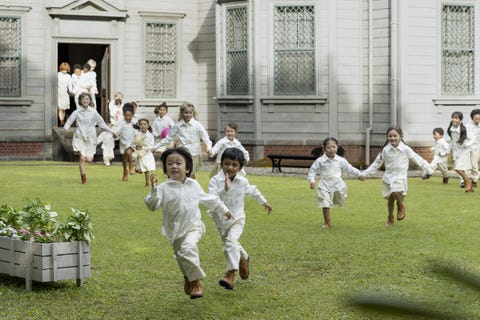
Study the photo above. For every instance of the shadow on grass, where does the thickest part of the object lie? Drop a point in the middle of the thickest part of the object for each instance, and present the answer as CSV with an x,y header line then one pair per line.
x,y
386,303
19,283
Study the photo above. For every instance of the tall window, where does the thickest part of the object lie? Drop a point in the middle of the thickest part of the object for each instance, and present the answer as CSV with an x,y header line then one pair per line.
x,y
160,60
294,45
236,51
458,53
10,57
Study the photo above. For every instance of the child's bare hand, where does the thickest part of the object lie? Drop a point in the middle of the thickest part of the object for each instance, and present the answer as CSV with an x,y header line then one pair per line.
x,y
228,183
361,178
228,215
312,185
153,180
267,207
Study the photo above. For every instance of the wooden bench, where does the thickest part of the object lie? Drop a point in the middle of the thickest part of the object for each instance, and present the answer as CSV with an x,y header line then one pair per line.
x,y
299,161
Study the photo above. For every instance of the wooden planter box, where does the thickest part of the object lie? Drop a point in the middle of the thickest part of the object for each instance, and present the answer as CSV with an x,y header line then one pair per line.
x,y
44,262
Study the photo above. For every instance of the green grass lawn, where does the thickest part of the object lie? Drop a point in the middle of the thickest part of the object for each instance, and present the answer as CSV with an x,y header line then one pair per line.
x,y
298,270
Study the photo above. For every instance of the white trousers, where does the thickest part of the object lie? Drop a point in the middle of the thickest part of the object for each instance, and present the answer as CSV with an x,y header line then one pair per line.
x,y
230,234
475,156
186,253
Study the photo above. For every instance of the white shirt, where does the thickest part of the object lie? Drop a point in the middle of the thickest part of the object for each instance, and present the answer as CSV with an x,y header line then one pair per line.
x,y
76,84
179,202
161,123
225,143
396,162
330,172
234,197
458,149
64,83
145,140
441,151
86,119
188,134
126,131
475,131
115,113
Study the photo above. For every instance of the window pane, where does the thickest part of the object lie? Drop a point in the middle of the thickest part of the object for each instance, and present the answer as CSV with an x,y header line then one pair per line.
x,y
294,50
458,52
10,57
160,64
236,51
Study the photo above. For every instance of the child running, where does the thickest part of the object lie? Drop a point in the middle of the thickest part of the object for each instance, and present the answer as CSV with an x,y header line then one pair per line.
x,y
126,131
232,188
144,141
474,128
331,190
179,198
229,141
162,121
189,133
85,137
440,155
395,154
461,141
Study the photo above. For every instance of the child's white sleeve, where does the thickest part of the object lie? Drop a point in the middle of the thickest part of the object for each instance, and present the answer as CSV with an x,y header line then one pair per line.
x,y
312,173
153,200
374,166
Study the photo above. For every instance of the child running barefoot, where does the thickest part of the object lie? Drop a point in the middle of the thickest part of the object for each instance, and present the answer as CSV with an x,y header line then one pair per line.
x,y
229,141
85,137
179,198
189,133
126,131
232,189
331,188
144,141
395,154
461,140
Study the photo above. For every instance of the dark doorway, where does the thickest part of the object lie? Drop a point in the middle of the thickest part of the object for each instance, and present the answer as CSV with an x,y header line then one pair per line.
x,y
80,53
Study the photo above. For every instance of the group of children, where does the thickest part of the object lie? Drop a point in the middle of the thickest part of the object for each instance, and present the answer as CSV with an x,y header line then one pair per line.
x,y
83,79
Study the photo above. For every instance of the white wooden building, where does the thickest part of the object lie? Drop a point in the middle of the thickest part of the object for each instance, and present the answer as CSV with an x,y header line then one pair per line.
x,y
289,72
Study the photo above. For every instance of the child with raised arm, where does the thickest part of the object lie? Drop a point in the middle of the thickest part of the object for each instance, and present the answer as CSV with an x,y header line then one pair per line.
x,y
188,133
461,143
395,154
229,141
440,155
126,131
232,189
331,189
144,160
179,198
85,137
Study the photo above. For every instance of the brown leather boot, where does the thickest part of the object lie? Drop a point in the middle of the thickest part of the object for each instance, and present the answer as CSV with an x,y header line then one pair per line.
x,y
390,221
244,268
468,186
84,178
187,287
132,168
125,174
196,289
228,281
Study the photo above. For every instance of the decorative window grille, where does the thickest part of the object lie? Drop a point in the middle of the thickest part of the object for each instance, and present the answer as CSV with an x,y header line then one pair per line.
x,y
160,60
10,57
458,53
294,45
237,51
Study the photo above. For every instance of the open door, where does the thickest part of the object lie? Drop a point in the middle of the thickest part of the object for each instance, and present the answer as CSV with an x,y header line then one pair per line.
x,y
105,84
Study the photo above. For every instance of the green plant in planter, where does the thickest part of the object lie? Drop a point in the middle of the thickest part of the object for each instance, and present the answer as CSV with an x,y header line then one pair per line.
x,y
79,227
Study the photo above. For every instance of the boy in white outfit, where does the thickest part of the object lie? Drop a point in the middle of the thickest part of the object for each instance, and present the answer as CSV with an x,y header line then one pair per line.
x,y
440,155
232,189
179,197
474,128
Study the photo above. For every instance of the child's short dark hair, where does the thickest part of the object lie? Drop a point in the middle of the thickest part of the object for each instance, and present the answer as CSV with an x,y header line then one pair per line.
x,y
77,66
234,154
474,112
232,125
181,151
128,107
439,131
162,105
87,66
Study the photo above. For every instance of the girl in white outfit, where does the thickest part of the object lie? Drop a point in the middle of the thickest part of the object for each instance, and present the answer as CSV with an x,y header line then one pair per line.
x,y
331,189
126,131
85,136
162,120
461,140
229,141
179,198
144,160
395,154
63,89
232,188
